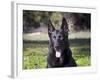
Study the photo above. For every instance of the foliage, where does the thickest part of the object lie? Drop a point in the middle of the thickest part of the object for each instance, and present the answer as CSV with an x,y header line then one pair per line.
x,y
36,19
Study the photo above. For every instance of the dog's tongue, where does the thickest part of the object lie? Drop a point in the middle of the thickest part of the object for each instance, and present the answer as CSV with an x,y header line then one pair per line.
x,y
58,54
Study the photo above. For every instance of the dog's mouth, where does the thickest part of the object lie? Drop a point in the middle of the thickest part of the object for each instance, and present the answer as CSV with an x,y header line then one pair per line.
x,y
58,51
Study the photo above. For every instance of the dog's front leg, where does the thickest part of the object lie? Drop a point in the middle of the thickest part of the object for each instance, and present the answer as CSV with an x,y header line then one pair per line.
x,y
48,66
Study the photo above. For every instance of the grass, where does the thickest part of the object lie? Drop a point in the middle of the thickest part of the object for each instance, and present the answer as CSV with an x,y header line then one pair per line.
x,y
35,53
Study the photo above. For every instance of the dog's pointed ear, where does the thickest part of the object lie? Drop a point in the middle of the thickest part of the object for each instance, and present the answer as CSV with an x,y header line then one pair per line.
x,y
50,26
64,25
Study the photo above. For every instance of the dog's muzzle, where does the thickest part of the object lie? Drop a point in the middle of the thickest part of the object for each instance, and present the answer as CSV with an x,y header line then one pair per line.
x,y
58,51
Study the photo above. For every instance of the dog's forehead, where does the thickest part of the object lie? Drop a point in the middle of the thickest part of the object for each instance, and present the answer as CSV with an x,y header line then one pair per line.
x,y
57,32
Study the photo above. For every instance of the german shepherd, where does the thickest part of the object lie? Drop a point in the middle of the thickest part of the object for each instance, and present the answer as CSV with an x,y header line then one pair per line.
x,y
59,54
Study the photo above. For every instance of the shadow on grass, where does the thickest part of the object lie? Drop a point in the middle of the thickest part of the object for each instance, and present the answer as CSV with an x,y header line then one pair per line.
x,y
73,42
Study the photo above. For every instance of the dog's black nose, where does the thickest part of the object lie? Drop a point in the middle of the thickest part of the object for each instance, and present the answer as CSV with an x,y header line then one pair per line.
x,y
57,47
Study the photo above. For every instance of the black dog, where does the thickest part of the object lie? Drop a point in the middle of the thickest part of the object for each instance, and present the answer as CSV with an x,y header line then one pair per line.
x,y
59,54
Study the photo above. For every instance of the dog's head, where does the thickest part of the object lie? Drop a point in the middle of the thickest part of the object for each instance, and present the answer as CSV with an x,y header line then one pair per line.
x,y
58,38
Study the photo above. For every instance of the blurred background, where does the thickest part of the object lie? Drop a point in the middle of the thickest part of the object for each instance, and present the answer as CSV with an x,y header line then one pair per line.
x,y
36,40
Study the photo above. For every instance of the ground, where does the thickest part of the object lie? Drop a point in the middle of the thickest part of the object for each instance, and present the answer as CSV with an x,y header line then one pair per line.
x,y
35,53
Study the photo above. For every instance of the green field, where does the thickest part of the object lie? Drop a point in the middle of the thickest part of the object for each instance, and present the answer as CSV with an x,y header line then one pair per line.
x,y
35,53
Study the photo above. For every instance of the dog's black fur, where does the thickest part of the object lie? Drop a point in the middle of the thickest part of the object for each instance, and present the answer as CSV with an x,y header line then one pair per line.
x,y
59,42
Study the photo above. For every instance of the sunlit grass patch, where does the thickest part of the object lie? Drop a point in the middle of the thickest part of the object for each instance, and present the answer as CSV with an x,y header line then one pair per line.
x,y
83,61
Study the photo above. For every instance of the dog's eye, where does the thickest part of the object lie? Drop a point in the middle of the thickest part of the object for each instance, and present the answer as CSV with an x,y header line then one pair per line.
x,y
59,36
54,37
